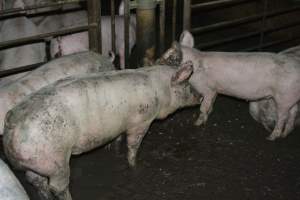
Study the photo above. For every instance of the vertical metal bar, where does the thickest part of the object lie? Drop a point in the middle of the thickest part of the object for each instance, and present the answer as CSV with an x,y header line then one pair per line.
x,y
162,18
94,19
126,30
113,26
263,24
187,15
146,31
174,16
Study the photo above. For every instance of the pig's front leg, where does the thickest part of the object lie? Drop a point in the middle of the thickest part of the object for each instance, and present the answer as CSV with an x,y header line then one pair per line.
x,y
206,107
134,139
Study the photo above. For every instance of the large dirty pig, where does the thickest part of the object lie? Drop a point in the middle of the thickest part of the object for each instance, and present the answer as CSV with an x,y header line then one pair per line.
x,y
249,76
265,112
10,187
76,64
77,42
78,114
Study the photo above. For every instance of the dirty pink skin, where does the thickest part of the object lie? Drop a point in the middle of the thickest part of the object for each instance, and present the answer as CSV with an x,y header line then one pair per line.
x,y
249,76
76,64
265,112
78,114
77,42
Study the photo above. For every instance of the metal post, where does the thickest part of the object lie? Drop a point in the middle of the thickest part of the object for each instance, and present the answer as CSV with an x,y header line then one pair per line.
x,y
94,19
162,18
174,17
187,15
113,26
145,31
126,30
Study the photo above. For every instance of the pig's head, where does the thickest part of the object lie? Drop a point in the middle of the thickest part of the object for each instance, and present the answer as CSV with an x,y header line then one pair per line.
x,y
182,94
179,52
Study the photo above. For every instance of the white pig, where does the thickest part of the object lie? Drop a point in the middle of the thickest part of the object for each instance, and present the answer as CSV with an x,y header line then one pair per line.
x,y
78,114
80,63
249,76
10,187
265,112
77,42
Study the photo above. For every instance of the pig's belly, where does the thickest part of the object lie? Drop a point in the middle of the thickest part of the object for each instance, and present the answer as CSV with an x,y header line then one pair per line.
x,y
245,89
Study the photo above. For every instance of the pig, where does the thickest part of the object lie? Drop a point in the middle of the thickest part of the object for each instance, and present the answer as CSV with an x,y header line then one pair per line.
x,y
61,45
78,114
22,55
79,63
9,4
249,76
10,187
265,112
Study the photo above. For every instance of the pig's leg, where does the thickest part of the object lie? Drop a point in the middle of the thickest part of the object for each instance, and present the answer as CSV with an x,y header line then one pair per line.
x,y
59,182
206,107
117,143
290,121
134,139
41,183
282,116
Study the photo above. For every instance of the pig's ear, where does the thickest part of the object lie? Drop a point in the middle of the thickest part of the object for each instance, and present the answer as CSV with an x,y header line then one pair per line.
x,y
187,39
183,73
176,46
121,8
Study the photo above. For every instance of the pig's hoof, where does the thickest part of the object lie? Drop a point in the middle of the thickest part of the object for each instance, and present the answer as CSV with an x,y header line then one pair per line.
x,y
271,137
200,121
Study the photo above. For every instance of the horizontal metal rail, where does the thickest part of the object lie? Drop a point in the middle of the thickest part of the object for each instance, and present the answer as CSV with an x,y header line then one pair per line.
x,y
219,3
235,22
269,44
16,11
245,36
41,37
8,72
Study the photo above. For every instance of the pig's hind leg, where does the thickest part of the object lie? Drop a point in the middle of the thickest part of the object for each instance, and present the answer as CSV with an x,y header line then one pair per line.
x,y
134,138
41,184
59,183
282,118
290,121
206,107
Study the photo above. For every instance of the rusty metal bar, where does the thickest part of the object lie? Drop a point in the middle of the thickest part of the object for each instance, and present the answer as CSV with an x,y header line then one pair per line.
x,y
146,31
41,37
241,21
245,36
219,3
94,19
162,18
174,17
17,70
126,30
187,15
113,26
13,12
